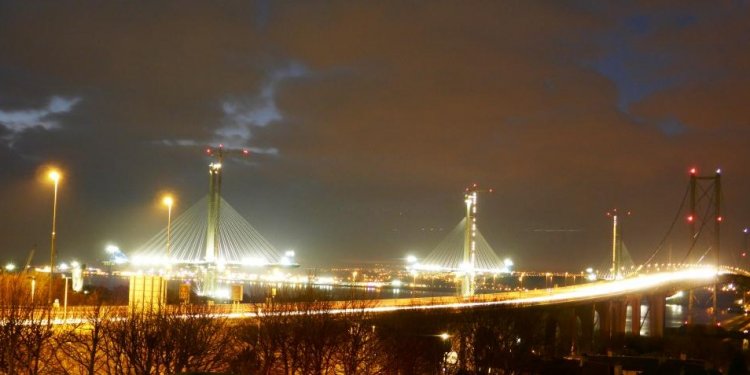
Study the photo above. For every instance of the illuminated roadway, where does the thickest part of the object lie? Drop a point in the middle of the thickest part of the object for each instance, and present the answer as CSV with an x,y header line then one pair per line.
x,y
669,282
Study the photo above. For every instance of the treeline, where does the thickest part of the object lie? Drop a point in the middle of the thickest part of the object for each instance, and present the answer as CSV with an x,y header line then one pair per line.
x,y
291,338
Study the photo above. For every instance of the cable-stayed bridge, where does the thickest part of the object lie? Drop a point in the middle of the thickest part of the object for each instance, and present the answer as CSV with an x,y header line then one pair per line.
x,y
239,242
211,237
448,255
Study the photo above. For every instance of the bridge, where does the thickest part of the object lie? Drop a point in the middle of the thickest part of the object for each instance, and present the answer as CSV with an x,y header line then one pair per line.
x,y
212,243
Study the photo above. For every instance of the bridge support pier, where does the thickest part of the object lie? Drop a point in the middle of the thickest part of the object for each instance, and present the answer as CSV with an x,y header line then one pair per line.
x,y
604,309
586,315
568,331
550,334
657,306
613,319
619,320
635,315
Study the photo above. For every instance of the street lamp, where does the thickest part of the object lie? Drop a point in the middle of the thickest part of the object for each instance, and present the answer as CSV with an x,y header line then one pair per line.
x,y
65,298
10,267
444,337
169,201
55,176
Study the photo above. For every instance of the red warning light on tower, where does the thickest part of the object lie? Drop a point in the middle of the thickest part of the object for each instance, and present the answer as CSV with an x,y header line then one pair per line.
x,y
690,218
693,170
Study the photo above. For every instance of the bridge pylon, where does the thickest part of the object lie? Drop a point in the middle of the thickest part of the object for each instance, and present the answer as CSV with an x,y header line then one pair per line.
x,y
214,205
617,243
470,244
705,191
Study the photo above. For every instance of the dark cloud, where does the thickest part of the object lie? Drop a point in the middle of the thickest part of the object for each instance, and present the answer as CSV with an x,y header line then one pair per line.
x,y
368,119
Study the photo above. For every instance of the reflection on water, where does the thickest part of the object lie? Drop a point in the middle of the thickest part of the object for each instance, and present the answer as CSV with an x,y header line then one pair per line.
x,y
675,316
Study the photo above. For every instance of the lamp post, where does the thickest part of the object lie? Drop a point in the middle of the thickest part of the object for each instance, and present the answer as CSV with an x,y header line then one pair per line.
x,y
55,176
65,298
169,201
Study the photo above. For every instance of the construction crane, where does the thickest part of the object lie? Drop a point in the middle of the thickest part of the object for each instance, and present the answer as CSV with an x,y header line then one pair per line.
x,y
470,234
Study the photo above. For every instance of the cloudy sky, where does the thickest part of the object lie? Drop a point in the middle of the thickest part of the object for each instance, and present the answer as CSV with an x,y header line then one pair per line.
x,y
366,120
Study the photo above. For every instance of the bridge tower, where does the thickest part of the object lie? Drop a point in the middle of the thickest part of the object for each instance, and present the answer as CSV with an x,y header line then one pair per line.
x,y
617,243
470,244
214,205
705,191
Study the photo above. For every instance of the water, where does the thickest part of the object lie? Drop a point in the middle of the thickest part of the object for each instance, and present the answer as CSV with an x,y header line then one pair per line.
x,y
675,315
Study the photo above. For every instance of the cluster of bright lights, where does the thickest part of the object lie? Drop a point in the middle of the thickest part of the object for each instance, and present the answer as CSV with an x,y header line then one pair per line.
x,y
428,267
288,258
590,274
65,266
254,262
148,260
325,280
116,256
221,293
413,264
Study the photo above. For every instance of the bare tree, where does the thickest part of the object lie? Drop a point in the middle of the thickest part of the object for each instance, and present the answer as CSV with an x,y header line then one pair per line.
x,y
195,341
25,327
133,343
81,347
359,351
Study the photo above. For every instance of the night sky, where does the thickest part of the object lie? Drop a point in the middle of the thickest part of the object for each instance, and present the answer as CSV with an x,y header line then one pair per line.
x,y
366,120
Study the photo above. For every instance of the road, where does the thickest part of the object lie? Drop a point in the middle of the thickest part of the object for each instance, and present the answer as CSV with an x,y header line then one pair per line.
x,y
666,282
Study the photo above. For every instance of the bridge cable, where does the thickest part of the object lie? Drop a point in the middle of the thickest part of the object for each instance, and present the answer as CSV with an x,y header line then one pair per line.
x,y
697,235
671,228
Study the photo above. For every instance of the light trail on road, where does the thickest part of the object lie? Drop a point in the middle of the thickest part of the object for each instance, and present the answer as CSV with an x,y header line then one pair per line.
x,y
665,281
